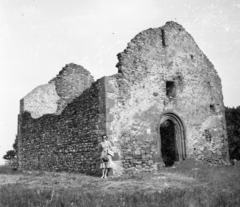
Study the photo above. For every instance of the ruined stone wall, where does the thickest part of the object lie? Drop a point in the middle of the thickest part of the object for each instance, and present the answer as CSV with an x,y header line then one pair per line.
x,y
53,97
152,58
71,81
67,141
60,123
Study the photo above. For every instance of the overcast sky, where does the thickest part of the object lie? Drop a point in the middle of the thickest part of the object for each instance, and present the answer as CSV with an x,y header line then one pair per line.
x,y
39,37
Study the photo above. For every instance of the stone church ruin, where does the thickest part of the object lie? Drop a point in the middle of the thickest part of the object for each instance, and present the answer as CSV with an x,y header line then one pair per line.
x,y
164,105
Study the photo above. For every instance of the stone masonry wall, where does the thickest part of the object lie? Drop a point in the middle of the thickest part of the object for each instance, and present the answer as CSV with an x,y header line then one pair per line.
x,y
61,123
67,141
71,81
152,58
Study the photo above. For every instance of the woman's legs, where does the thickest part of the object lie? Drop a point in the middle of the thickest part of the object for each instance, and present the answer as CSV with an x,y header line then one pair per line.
x,y
103,172
105,168
106,172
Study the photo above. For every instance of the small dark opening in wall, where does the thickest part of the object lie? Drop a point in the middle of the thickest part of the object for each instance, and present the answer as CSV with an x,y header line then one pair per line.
x,y
191,56
209,85
163,38
212,108
170,89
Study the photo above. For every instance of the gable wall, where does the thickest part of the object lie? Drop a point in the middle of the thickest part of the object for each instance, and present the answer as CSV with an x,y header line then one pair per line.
x,y
140,94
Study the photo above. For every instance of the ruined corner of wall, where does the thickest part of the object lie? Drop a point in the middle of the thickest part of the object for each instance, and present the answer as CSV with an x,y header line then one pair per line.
x,y
108,104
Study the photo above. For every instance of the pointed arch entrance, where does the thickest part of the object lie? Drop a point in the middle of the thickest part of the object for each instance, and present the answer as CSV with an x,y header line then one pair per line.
x,y
172,139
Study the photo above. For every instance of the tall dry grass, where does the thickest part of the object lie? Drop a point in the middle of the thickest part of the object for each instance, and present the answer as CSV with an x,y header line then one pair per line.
x,y
15,195
218,186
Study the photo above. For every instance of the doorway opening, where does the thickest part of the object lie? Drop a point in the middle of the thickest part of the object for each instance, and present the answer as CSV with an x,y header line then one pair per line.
x,y
172,145
168,143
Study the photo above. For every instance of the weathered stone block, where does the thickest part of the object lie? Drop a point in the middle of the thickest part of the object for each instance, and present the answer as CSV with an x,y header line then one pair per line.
x,y
148,156
150,162
109,89
110,103
139,167
116,157
109,117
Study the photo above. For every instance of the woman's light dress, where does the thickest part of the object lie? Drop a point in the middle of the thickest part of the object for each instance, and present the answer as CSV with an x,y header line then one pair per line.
x,y
105,146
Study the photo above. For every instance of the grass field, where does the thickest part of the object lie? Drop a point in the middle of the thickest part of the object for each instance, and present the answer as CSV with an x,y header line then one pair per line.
x,y
190,184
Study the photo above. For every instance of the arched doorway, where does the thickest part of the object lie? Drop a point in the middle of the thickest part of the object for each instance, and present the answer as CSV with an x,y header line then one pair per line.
x,y
172,143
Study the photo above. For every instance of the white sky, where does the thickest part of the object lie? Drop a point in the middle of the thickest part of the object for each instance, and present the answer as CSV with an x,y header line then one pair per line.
x,y
39,37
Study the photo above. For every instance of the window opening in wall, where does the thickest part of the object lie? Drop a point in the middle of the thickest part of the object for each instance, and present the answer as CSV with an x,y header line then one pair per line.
x,y
170,89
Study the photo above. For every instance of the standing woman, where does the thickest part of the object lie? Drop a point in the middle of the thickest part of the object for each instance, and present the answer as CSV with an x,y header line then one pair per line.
x,y
106,159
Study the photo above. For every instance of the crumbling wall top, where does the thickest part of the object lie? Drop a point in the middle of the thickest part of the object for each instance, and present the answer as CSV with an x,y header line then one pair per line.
x,y
53,97
157,45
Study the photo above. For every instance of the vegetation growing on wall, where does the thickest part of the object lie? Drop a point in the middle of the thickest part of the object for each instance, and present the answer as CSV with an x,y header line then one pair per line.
x,y
233,131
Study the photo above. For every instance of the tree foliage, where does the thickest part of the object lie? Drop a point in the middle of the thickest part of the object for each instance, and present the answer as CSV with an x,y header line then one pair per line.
x,y
11,154
233,131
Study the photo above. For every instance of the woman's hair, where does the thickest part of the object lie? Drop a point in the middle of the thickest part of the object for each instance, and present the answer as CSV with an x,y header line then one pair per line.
x,y
104,136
